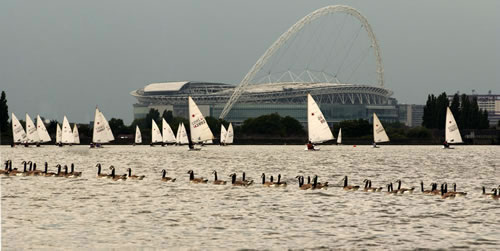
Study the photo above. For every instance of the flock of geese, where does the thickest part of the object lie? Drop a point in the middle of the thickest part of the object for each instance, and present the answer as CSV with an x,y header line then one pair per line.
x,y
29,169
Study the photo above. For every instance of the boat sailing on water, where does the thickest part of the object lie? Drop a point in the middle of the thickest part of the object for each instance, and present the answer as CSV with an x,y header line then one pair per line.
x,y
102,132
452,133
182,137
76,135
198,126
58,135
167,133
67,136
317,127
379,134
31,132
42,131
138,135
226,136
155,133
18,133
339,137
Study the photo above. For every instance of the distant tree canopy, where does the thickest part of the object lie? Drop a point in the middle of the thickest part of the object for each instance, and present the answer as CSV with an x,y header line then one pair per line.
x,y
4,113
153,114
273,124
466,112
355,128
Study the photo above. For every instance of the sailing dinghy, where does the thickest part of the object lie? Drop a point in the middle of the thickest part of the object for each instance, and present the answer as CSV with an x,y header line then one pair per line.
x,y
168,134
31,132
317,127
198,125
138,135
76,135
18,133
339,137
42,131
67,136
452,133
379,134
58,135
155,133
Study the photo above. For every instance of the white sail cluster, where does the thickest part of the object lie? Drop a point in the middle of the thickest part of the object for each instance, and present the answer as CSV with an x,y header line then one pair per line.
x,y
39,134
182,137
226,136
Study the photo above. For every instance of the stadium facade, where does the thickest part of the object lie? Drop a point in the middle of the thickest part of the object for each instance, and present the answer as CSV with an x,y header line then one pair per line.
x,y
338,102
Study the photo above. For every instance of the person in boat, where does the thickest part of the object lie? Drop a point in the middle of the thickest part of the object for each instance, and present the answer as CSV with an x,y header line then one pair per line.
x,y
91,145
310,145
12,144
37,144
26,144
445,144
191,145
151,144
374,144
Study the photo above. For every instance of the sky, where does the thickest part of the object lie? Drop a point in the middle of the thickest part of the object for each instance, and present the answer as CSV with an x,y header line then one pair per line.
x,y
65,57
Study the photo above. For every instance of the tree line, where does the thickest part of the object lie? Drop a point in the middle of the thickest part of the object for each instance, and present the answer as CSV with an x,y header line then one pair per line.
x,y
465,110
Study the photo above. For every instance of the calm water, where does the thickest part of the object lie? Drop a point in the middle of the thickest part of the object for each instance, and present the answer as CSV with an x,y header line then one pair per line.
x,y
90,213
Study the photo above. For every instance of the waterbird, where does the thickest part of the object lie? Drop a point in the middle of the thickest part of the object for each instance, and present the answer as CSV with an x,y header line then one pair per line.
x,y
444,192
235,182
347,187
317,185
59,174
73,173
45,172
403,190
192,179
6,170
116,177
164,178
99,174
264,182
303,186
426,191
485,193
457,193
496,194
134,177
279,183
217,181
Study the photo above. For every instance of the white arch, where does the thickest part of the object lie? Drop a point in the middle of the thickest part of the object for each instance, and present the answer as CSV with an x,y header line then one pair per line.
x,y
292,30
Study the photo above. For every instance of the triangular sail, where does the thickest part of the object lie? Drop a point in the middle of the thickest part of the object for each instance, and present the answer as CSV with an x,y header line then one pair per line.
x,y
58,134
42,131
183,138
76,135
138,136
31,132
198,125
178,135
452,134
317,127
223,134
99,135
379,134
18,132
67,133
155,133
168,134
339,137
230,134
109,133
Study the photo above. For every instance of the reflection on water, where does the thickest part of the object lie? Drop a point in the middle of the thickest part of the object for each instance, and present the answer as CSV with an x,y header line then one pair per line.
x,y
90,213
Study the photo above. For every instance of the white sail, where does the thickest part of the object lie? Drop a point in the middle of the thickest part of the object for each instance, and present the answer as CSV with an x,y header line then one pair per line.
x,y
230,134
452,134
317,127
18,132
76,135
339,137
31,132
168,134
198,125
178,135
379,134
138,136
223,134
58,134
109,133
42,131
99,135
67,133
155,132
183,138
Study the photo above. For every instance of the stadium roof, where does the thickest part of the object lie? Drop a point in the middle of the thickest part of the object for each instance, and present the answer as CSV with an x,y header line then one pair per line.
x,y
169,86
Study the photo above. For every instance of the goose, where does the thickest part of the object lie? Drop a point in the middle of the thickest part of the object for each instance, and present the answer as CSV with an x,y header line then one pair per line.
x,y
403,190
134,177
12,172
379,189
99,174
248,182
485,193
235,182
46,173
264,183
426,191
6,170
445,194
24,172
192,179
36,172
434,190
59,173
496,194
217,181
457,193
390,189
279,183
164,178
116,177
369,188
317,185
73,173
303,186
346,187
366,181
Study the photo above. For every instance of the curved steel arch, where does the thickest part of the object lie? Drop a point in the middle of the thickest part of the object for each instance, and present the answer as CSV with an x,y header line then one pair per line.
x,y
292,30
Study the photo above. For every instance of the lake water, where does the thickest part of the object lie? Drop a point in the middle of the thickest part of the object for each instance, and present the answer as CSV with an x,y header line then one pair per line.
x,y
91,213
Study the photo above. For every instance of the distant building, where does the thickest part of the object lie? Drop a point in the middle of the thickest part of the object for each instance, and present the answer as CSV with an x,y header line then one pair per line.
x,y
411,115
489,102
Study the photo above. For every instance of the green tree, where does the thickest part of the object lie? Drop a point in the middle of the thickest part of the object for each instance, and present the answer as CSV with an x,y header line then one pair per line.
x,y
292,127
484,122
428,117
465,112
455,106
118,127
442,103
153,114
4,113
168,116
264,125
356,128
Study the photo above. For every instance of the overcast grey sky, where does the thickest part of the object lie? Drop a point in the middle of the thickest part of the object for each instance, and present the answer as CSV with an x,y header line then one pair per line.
x,y
66,57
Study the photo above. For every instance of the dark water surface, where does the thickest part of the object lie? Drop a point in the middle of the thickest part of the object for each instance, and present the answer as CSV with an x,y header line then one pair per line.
x,y
91,213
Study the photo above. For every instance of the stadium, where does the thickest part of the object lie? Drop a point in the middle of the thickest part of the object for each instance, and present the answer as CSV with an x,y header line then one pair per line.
x,y
346,80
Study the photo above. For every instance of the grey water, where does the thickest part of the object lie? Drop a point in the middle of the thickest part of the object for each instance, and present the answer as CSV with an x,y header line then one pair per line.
x,y
91,213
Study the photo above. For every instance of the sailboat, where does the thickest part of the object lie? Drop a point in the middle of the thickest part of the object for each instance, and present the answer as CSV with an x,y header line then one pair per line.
x,y
317,127
168,134
452,133
198,125
339,137
100,133
155,133
42,131
229,135
183,138
138,136
67,134
76,135
223,134
58,135
18,132
109,133
31,132
379,134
